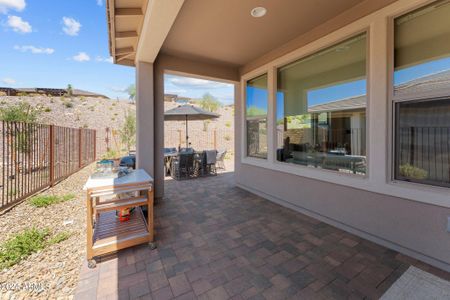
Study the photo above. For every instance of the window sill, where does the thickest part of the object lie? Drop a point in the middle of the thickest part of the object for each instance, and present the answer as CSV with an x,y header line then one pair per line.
x,y
411,191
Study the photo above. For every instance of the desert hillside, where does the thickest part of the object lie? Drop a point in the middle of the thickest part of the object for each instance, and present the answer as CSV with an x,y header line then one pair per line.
x,y
86,112
99,114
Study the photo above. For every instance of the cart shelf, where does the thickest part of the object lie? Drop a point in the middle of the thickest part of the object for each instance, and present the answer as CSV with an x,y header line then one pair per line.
x,y
111,235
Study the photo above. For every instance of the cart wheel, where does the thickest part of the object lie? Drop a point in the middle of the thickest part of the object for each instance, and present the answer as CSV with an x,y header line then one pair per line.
x,y
152,245
91,263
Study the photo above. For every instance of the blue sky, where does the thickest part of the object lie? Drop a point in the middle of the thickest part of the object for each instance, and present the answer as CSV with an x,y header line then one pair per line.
x,y
51,43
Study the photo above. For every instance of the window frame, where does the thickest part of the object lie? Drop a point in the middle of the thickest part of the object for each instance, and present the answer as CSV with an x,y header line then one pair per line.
x,y
393,100
244,123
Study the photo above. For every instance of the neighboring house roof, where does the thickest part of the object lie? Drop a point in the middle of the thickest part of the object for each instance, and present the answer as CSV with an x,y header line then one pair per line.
x,y
51,91
344,104
77,92
434,81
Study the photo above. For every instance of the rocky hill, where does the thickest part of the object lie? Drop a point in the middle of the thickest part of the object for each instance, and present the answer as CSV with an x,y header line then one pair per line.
x,y
76,112
99,114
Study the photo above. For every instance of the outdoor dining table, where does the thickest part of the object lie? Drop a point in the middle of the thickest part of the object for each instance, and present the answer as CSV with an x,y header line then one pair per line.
x,y
106,195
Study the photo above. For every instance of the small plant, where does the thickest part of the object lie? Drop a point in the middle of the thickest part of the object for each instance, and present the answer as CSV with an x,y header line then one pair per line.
x,y
227,138
114,104
128,131
82,99
47,109
85,126
46,200
410,171
110,154
68,104
21,246
27,242
69,90
110,108
59,237
228,124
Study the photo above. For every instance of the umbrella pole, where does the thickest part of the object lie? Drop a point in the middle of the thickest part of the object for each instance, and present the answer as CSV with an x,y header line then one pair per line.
x,y
187,137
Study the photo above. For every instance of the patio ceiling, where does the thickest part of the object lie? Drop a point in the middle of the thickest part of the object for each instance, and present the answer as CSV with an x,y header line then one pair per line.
x,y
125,19
224,31
217,31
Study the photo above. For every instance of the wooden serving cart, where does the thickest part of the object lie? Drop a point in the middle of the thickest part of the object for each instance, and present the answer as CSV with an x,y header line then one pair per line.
x,y
105,232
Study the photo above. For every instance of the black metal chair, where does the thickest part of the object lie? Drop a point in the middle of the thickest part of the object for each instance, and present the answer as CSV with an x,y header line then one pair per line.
x,y
183,166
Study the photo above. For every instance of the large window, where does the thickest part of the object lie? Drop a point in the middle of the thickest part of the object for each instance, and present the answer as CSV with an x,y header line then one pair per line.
x,y
421,78
321,109
256,116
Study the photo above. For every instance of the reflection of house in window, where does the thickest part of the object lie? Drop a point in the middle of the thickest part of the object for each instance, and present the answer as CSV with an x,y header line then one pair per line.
x,y
341,124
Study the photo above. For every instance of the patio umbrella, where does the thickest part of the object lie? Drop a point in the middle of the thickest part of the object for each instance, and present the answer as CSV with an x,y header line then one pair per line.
x,y
188,113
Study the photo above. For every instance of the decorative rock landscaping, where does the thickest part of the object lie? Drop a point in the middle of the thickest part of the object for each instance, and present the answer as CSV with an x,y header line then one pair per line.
x,y
52,272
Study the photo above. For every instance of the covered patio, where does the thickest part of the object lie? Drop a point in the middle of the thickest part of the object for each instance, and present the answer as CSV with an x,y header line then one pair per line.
x,y
217,241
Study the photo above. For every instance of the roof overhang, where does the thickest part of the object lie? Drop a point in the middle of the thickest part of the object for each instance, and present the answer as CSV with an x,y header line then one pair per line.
x,y
138,28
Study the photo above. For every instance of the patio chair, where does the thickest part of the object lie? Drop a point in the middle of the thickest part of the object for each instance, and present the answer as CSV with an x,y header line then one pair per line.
x,y
220,164
211,158
182,166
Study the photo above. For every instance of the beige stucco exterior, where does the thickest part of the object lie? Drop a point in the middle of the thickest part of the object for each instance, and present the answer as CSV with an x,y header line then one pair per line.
x,y
409,218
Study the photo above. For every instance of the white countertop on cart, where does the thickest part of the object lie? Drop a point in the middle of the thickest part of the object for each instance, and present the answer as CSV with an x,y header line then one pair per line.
x,y
137,176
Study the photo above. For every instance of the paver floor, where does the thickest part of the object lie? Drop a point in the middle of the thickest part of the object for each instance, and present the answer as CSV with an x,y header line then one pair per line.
x,y
216,241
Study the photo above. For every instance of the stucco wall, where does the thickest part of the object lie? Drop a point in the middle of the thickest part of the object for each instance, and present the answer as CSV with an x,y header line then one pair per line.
x,y
411,227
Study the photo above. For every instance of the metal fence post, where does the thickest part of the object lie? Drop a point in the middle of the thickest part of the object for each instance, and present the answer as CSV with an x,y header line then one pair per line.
x,y
95,145
80,149
52,155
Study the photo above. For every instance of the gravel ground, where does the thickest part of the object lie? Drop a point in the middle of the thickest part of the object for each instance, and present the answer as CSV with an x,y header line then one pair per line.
x,y
56,267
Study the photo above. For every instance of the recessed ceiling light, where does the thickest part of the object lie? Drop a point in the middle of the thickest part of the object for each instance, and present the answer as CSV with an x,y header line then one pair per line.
x,y
258,12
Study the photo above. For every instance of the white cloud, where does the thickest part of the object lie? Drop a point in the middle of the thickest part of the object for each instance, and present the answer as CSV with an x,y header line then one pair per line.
x,y
195,83
104,59
81,56
99,2
71,26
34,50
6,5
8,81
19,25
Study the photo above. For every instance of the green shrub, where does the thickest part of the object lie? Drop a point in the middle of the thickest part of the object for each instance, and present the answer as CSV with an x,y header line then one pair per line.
x,y
410,171
46,200
228,124
227,138
20,112
47,109
21,246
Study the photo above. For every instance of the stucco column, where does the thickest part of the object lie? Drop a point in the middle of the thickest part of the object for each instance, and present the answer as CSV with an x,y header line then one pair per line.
x,y
159,130
145,112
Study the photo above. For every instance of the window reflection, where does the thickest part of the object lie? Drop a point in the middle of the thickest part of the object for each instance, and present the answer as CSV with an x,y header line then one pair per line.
x,y
256,116
422,50
422,71
321,109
